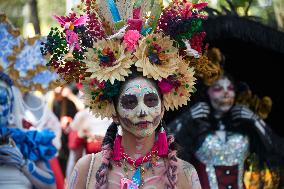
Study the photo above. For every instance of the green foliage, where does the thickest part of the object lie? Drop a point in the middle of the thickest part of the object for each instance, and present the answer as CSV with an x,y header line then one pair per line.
x,y
13,9
17,11
48,8
265,14
110,90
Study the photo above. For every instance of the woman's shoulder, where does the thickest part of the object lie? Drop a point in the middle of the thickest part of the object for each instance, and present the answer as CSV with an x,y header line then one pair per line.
x,y
187,175
185,167
83,164
84,171
89,160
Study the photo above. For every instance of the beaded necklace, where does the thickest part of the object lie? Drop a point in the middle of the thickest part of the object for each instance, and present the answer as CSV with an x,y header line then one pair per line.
x,y
137,166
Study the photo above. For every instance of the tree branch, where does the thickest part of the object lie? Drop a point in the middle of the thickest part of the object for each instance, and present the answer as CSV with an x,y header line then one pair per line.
x,y
248,7
34,15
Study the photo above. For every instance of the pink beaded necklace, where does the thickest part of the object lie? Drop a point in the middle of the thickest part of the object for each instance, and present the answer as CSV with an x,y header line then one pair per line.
x,y
151,157
137,162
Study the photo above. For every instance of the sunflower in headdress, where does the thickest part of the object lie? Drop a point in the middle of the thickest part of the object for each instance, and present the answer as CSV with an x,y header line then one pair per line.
x,y
108,60
157,57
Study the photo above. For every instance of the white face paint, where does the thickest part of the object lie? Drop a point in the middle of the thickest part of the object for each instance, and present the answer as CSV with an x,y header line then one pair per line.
x,y
222,95
139,107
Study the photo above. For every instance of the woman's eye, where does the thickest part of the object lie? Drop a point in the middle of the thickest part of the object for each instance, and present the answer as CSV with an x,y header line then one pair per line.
x,y
129,101
217,88
231,87
151,100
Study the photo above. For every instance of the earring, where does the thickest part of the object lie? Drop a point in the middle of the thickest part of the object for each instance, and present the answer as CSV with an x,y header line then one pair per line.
x,y
117,148
115,120
163,147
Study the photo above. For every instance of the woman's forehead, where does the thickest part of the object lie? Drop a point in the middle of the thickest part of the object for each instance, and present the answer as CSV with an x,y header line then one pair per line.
x,y
139,86
223,82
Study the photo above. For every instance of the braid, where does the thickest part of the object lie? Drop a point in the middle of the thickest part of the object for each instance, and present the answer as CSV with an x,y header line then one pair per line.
x,y
172,167
107,150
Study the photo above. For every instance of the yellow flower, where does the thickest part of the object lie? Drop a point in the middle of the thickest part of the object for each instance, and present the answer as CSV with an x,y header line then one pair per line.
x,y
181,95
207,70
99,108
108,60
157,57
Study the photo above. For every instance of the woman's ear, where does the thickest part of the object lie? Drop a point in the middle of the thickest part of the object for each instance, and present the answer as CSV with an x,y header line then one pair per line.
x,y
163,110
115,119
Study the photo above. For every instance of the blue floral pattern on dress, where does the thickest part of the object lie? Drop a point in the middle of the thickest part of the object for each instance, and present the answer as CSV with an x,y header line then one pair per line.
x,y
29,57
7,43
44,78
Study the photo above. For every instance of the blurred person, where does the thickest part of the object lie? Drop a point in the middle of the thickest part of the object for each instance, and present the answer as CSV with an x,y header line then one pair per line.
x,y
218,135
65,105
85,136
38,116
24,154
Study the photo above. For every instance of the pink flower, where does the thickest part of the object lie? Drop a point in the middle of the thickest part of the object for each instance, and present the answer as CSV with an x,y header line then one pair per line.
x,y
72,39
200,5
79,85
131,38
165,86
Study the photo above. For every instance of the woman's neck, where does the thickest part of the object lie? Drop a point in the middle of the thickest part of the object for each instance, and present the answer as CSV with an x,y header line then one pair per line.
x,y
137,147
218,114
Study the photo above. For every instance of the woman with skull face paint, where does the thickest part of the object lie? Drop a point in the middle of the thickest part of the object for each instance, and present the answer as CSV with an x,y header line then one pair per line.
x,y
132,70
17,166
137,156
219,135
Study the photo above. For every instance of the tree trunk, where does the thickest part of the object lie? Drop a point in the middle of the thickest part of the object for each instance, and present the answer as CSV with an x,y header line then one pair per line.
x,y
279,13
248,7
34,15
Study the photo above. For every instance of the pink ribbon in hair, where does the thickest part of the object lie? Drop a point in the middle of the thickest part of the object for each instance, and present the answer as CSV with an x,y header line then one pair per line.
x,y
135,23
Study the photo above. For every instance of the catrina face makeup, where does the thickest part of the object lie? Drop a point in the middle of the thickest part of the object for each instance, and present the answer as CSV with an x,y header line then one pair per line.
x,y
222,95
139,107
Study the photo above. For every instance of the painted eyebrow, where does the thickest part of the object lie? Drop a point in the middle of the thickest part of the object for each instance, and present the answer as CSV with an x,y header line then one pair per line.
x,y
138,90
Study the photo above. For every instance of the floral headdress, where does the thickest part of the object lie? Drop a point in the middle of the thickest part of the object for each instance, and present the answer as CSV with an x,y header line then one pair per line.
x,y
99,47
21,60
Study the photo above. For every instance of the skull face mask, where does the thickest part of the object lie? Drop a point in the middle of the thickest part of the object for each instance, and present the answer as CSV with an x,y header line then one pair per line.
x,y
222,95
139,107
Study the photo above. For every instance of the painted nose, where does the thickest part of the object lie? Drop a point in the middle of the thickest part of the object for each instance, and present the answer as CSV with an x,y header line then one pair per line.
x,y
226,94
142,113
